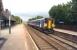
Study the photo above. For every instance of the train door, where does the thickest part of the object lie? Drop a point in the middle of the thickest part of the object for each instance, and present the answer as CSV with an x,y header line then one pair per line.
x,y
49,23
45,23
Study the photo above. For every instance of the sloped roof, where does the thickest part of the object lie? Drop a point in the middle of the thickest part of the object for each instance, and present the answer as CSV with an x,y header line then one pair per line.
x,y
12,18
7,18
3,18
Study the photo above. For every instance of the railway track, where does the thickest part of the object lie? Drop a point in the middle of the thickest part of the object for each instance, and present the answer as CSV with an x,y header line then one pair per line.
x,y
41,44
46,42
66,36
74,45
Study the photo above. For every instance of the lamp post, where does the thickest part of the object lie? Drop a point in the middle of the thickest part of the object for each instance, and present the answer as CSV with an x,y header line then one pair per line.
x,y
9,15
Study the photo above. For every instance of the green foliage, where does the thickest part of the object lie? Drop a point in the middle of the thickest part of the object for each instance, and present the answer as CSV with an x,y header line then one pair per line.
x,y
62,12
17,19
74,10
37,17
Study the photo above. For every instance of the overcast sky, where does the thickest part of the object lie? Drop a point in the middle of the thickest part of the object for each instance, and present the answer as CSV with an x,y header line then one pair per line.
x,y
29,8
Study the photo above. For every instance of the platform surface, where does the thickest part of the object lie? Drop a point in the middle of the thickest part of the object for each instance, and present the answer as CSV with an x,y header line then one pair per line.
x,y
16,40
66,31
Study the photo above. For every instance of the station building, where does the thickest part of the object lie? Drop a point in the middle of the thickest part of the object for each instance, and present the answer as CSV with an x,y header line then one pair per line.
x,y
4,17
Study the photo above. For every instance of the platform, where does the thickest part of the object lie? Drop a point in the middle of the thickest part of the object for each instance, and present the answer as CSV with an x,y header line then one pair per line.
x,y
66,31
19,39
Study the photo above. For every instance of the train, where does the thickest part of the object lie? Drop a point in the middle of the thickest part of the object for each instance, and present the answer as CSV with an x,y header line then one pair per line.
x,y
44,24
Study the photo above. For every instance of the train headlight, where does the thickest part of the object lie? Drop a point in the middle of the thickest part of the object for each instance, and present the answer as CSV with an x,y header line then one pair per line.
x,y
45,24
53,25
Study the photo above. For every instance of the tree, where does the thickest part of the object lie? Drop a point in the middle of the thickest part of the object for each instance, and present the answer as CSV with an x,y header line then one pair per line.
x,y
17,19
74,11
61,12
37,17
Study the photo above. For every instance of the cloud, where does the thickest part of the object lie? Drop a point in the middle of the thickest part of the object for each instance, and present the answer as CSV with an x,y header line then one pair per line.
x,y
30,7
17,6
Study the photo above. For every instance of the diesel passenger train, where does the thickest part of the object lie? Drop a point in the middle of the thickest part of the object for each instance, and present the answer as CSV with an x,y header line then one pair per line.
x,y
44,24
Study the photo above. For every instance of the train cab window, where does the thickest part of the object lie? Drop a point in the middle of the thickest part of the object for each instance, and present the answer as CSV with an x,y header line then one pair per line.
x,y
45,20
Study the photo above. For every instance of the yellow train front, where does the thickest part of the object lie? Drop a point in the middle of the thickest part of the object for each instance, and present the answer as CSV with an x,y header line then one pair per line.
x,y
48,25
44,24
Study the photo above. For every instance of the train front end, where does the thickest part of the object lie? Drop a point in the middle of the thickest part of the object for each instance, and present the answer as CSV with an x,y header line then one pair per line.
x,y
49,24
